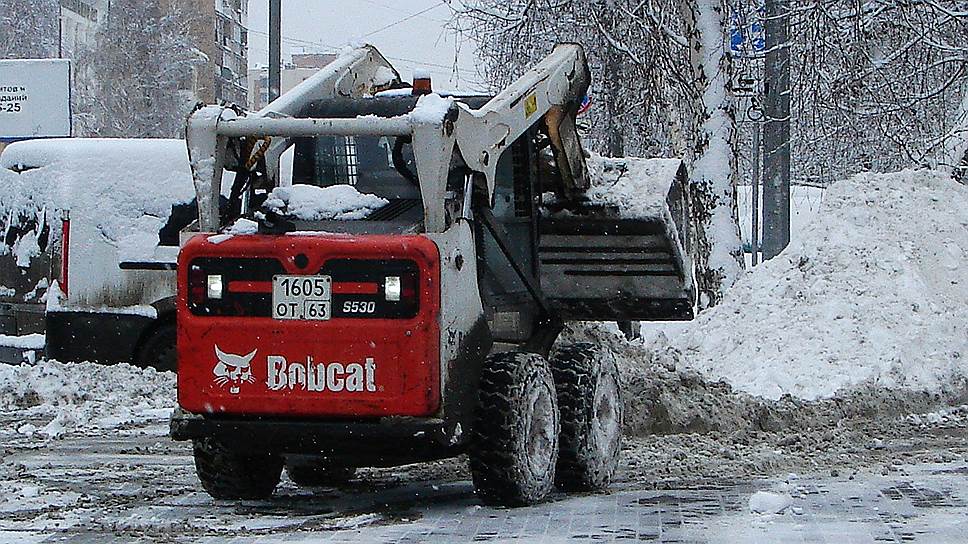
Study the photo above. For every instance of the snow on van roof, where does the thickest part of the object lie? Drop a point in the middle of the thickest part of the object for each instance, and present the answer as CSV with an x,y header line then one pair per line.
x,y
39,153
97,176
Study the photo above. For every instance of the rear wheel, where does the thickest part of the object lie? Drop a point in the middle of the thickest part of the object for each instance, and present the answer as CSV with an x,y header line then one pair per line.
x,y
318,473
159,349
515,437
586,379
233,475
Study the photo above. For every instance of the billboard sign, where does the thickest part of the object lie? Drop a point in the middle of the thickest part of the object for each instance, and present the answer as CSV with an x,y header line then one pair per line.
x,y
35,99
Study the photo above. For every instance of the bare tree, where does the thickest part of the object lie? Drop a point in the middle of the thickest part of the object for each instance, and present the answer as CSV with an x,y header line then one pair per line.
x,y
28,29
953,157
136,81
877,84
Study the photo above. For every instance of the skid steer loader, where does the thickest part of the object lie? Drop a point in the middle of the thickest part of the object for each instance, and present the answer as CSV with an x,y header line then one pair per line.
x,y
390,274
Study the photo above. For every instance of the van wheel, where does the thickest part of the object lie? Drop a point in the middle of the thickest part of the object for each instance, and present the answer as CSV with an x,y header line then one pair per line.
x,y
232,475
319,473
586,379
514,444
159,350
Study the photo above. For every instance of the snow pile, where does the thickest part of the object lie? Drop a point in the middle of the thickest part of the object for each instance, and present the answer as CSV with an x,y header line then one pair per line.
x,y
661,394
874,293
79,396
637,187
312,203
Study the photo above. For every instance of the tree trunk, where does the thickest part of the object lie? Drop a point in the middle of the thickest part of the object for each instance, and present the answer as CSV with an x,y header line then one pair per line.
x,y
713,162
954,158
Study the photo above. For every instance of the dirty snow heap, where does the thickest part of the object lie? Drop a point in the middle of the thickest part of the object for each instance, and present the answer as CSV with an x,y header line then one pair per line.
x,y
874,293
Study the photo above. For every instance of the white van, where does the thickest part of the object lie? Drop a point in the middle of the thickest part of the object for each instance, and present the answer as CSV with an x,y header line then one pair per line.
x,y
91,231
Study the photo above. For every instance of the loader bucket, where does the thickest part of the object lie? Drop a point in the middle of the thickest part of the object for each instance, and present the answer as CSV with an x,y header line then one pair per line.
x,y
626,253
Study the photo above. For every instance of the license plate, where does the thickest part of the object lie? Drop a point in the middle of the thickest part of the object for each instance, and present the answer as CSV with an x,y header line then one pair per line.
x,y
302,297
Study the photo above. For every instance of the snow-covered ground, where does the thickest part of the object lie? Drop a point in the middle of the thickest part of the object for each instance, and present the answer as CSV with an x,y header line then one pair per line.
x,y
851,482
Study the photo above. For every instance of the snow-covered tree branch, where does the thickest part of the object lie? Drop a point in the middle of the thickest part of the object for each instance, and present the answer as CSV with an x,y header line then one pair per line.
x,y
135,82
28,29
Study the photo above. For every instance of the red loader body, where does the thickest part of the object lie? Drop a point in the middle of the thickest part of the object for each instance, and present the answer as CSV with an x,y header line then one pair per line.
x,y
371,357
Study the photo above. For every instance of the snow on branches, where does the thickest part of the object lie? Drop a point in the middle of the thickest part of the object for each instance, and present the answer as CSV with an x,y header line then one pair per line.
x,y
877,84
28,29
136,81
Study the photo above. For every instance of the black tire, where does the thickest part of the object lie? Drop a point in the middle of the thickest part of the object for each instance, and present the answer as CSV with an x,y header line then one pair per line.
x,y
514,444
232,475
320,473
159,349
590,403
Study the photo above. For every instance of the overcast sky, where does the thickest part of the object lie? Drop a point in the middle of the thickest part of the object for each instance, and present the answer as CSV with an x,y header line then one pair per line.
x,y
411,33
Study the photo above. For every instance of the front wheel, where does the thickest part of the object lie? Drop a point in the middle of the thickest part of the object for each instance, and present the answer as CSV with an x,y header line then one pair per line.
x,y
229,474
514,444
587,381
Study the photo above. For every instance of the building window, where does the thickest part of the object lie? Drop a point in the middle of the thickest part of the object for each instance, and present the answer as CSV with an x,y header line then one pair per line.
x,y
84,10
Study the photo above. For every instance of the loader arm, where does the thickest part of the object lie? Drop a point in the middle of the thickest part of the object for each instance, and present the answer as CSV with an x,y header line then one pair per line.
x,y
551,91
353,74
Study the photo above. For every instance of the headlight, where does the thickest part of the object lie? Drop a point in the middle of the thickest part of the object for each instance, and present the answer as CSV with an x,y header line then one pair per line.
x,y
391,287
215,287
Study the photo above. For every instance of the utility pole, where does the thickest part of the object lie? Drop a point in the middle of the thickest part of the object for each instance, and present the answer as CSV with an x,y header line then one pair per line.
x,y
776,130
275,49
755,232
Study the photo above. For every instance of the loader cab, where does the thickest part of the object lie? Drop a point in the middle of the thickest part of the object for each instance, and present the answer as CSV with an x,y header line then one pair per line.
x,y
384,166
509,307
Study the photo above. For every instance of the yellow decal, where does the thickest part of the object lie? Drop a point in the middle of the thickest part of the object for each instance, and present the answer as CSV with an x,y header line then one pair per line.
x,y
530,106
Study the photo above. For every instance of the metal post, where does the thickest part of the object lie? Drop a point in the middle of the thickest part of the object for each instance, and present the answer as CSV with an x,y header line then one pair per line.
x,y
275,49
776,132
60,31
756,193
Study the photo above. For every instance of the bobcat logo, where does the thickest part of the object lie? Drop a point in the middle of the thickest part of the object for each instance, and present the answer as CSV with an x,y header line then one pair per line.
x,y
233,369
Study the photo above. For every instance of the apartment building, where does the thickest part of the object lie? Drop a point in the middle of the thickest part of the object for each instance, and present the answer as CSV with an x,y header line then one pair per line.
x,y
293,73
80,20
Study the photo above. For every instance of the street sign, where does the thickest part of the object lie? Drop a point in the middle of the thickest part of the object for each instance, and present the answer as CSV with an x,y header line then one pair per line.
x,y
35,99
747,35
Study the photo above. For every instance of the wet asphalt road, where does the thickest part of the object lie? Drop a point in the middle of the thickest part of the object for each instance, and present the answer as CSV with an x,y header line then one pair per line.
x,y
136,485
